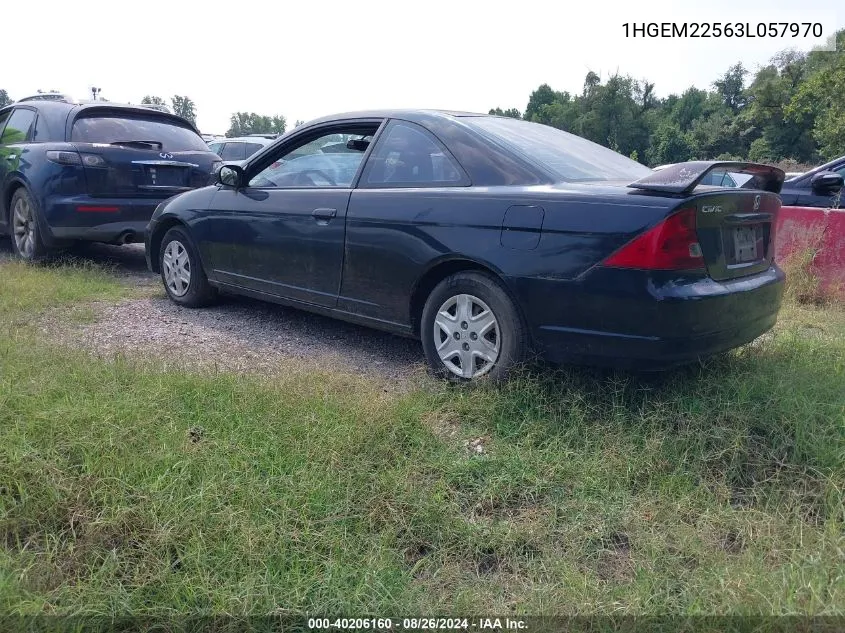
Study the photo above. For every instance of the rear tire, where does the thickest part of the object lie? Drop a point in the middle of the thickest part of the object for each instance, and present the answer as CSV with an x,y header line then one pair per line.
x,y
181,271
471,329
24,228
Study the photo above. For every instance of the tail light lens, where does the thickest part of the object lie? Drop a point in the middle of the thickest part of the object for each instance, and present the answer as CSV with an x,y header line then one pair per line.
x,y
64,158
74,158
671,245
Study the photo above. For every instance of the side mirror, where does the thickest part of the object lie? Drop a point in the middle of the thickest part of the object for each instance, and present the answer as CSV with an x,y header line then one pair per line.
x,y
826,182
231,176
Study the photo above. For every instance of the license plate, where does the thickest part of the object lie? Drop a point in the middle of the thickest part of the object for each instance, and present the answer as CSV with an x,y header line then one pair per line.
x,y
746,240
166,176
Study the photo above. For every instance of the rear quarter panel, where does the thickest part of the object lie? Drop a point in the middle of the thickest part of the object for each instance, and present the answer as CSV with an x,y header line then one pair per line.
x,y
395,236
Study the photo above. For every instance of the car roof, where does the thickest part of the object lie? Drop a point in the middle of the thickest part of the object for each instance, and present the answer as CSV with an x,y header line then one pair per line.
x,y
414,115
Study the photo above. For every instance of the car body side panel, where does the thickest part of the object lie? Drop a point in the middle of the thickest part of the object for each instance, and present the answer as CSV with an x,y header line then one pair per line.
x,y
394,236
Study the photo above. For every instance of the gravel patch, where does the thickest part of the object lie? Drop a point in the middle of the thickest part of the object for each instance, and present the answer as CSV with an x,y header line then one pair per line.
x,y
242,335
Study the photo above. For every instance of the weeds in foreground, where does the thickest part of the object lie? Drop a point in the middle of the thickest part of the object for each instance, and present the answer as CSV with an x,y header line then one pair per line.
x,y
128,489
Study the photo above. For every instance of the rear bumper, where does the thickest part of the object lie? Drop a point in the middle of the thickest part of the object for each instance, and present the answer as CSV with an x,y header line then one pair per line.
x,y
116,220
659,323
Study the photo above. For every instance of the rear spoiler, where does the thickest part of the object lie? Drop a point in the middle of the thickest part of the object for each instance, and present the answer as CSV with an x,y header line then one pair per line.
x,y
118,109
682,178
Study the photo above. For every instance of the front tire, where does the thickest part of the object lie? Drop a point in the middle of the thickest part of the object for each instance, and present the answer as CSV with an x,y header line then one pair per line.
x,y
26,234
471,329
181,271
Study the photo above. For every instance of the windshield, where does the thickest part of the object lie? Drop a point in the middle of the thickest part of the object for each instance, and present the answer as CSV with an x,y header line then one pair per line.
x,y
112,129
571,157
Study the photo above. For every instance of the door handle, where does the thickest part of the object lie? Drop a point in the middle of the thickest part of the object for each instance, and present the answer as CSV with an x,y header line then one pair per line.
x,y
324,214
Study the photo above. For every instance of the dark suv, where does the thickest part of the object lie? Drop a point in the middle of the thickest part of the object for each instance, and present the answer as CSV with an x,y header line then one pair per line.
x,y
91,171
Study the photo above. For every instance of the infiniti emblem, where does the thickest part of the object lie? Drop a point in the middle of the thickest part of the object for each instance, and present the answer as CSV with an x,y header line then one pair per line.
x,y
756,202
166,155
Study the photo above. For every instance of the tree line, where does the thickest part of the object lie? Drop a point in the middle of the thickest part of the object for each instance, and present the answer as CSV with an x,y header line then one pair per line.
x,y
790,110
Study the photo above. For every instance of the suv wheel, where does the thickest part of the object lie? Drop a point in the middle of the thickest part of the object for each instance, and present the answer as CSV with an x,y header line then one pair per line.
x,y
26,236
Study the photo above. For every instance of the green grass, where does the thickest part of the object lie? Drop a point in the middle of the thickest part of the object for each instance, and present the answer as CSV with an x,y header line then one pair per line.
x,y
126,489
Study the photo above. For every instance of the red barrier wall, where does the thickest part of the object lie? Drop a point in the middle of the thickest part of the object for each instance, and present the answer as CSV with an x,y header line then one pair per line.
x,y
800,229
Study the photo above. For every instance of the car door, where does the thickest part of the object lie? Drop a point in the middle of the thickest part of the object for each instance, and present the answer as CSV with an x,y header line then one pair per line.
x,y
16,131
285,228
4,116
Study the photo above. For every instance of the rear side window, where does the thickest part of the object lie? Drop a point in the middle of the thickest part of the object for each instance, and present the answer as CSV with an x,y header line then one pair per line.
x,y
251,148
113,128
3,118
572,158
409,156
42,132
233,151
18,127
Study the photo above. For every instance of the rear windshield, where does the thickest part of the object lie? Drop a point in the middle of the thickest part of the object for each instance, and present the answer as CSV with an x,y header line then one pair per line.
x,y
571,157
110,129
251,148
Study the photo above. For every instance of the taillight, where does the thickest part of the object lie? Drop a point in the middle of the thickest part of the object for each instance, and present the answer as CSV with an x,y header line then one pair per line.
x,y
671,245
64,158
74,158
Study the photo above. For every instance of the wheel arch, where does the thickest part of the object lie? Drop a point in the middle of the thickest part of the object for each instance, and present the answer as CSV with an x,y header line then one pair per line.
x,y
161,228
12,186
440,271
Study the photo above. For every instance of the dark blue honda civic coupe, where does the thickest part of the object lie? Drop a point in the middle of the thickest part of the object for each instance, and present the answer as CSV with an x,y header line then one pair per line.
x,y
91,171
488,238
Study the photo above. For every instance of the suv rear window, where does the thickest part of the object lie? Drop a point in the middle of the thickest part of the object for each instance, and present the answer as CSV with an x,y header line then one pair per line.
x,y
110,129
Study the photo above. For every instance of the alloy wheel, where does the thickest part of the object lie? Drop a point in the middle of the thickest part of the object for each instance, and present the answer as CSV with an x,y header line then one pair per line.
x,y
23,227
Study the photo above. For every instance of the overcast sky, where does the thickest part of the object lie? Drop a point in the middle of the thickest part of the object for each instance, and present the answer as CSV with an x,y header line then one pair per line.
x,y
307,59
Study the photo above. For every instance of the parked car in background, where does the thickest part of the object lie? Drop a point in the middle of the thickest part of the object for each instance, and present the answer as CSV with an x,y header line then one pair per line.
x,y
718,177
92,171
156,106
487,237
240,148
819,187
48,96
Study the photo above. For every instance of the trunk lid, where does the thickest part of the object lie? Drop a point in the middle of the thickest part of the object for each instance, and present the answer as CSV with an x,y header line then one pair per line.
x,y
734,224
735,229
119,171
140,153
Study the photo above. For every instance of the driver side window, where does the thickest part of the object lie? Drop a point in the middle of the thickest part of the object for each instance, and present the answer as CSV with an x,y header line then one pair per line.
x,y
329,160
